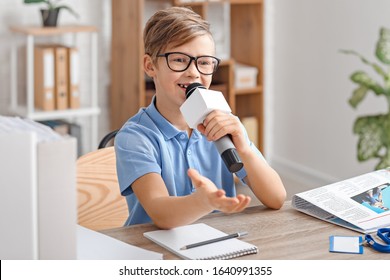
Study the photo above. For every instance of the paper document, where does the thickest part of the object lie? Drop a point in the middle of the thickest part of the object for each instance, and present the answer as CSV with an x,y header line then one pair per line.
x,y
92,245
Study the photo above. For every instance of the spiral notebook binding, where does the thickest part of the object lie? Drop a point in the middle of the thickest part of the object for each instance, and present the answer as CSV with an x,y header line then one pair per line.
x,y
233,255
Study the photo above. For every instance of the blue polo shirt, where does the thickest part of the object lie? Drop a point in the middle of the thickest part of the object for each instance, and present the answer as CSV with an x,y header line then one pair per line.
x,y
147,143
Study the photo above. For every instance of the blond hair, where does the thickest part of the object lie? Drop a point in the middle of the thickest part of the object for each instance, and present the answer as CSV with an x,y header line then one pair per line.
x,y
173,27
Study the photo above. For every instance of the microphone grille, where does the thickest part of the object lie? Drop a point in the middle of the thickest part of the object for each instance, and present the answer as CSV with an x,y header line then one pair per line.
x,y
190,89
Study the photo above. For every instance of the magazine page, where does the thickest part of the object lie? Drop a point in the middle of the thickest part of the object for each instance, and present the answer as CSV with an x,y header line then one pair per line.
x,y
362,201
315,211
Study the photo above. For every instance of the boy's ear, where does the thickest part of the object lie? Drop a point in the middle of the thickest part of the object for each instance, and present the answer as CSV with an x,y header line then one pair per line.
x,y
149,66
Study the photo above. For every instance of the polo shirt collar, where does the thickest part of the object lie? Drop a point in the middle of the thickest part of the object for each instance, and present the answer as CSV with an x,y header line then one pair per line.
x,y
166,128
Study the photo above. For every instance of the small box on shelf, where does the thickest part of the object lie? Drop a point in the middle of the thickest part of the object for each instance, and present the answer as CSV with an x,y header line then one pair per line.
x,y
245,76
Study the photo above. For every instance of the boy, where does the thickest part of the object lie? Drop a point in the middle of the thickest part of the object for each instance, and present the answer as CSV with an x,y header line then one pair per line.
x,y
160,159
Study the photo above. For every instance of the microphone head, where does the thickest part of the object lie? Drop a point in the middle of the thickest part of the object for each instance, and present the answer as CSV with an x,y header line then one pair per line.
x,y
192,87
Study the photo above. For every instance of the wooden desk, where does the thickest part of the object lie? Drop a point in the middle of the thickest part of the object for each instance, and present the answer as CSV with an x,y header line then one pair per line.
x,y
279,234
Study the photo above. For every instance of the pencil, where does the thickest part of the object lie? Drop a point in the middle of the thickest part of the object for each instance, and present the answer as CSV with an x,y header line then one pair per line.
x,y
230,236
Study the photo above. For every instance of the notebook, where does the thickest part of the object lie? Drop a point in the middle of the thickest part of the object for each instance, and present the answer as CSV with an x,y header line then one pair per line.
x,y
176,238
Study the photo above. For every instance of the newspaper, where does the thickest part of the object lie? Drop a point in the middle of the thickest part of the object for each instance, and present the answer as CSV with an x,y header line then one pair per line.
x,y
360,203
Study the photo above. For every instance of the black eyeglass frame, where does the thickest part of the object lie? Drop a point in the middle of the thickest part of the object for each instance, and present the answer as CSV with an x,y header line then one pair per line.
x,y
192,58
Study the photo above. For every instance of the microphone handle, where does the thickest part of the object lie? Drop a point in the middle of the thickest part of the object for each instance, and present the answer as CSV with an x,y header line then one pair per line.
x,y
229,154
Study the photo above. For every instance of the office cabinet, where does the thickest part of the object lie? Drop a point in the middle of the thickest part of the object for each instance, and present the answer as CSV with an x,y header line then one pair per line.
x,y
38,210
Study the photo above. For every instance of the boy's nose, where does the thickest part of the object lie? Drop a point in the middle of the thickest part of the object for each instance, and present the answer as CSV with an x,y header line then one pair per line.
x,y
193,69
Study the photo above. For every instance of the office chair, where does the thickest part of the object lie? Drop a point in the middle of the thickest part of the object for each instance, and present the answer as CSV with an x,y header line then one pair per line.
x,y
106,139
100,204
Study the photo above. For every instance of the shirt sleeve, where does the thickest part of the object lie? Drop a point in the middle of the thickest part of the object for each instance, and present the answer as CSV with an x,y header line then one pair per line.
x,y
136,155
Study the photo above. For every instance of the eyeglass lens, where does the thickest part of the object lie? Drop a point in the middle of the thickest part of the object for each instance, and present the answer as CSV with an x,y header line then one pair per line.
x,y
180,62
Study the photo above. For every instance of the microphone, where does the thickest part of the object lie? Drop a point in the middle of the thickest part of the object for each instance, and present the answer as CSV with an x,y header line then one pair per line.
x,y
199,103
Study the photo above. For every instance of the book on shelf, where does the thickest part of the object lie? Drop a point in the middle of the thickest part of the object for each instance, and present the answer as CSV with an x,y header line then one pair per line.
x,y
361,203
175,239
44,77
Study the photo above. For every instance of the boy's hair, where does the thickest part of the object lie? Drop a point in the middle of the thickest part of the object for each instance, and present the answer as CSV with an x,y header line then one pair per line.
x,y
174,26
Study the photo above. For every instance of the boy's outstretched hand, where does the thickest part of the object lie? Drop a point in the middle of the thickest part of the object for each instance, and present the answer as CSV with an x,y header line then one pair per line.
x,y
212,198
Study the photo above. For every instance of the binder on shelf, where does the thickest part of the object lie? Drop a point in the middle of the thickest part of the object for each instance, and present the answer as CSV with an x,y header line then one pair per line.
x,y
44,81
74,77
61,77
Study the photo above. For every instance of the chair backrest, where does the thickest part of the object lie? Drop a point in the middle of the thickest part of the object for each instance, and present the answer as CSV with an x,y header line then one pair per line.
x,y
107,138
100,204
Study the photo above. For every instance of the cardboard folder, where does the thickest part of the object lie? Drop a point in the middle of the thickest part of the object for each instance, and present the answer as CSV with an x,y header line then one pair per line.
x,y
74,77
61,77
44,77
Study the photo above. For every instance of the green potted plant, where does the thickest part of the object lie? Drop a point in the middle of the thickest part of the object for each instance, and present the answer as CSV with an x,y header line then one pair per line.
x,y
373,130
50,14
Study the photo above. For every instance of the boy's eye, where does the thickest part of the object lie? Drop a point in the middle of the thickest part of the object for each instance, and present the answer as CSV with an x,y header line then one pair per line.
x,y
204,62
180,59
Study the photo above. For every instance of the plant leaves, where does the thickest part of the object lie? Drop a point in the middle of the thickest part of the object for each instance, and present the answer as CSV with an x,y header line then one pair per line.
x,y
34,1
363,79
384,163
371,131
53,5
68,9
358,95
383,46
375,66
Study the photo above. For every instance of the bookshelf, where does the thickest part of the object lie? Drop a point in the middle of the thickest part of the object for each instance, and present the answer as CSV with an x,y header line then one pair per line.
x,y
129,91
28,110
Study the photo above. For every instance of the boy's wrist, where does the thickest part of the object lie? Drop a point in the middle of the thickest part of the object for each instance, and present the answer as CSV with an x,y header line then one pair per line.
x,y
202,203
245,152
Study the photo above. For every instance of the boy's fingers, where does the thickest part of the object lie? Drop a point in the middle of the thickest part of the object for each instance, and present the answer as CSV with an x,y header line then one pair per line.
x,y
194,176
220,193
243,202
221,202
201,128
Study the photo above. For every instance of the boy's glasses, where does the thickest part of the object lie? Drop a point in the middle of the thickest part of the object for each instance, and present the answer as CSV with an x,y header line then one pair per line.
x,y
180,62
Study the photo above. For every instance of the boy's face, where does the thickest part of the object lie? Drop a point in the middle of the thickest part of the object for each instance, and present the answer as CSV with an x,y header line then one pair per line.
x,y
171,85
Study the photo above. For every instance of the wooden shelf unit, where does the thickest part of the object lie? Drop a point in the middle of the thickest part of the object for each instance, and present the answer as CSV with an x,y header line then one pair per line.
x,y
246,47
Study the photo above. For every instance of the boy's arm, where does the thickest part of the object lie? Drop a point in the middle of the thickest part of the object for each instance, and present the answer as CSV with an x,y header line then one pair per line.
x,y
262,178
172,211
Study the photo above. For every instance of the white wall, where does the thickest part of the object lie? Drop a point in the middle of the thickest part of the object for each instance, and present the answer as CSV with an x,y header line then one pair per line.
x,y
308,119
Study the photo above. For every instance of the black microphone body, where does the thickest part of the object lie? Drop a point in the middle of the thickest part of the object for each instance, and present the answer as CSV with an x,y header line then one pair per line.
x,y
199,103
